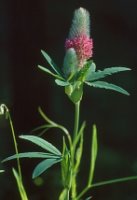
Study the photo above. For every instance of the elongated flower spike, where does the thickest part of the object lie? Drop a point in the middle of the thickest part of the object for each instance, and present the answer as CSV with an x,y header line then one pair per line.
x,y
79,36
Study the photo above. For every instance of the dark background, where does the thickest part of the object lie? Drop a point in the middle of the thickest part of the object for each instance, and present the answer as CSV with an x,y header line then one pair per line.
x,y
25,28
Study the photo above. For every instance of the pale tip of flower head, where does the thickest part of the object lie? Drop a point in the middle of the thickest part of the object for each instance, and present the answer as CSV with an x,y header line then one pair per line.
x,y
83,11
80,23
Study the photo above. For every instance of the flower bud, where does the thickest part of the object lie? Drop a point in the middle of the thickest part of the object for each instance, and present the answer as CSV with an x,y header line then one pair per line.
x,y
70,62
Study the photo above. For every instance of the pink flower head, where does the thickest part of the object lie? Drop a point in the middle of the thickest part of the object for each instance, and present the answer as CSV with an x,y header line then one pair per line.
x,y
83,46
79,36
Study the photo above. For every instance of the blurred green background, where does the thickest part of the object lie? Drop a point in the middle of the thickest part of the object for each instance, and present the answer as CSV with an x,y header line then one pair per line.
x,y
25,28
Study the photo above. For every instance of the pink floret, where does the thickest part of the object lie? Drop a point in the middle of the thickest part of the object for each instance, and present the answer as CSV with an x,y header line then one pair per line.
x,y
83,46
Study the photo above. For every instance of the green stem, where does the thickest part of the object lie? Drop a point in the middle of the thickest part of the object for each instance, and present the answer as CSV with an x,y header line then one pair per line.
x,y
118,180
83,192
68,194
17,175
76,122
76,128
54,125
15,145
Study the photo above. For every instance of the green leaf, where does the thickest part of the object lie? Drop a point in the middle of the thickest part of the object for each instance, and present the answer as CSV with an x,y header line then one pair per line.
x,y
77,92
48,71
51,63
1,171
65,166
42,143
69,90
64,162
79,152
91,70
106,85
84,71
118,180
106,72
80,133
62,83
31,155
43,166
94,149
64,194
92,67
20,185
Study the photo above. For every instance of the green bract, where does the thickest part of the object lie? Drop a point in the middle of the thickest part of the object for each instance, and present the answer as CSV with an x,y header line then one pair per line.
x,y
73,78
